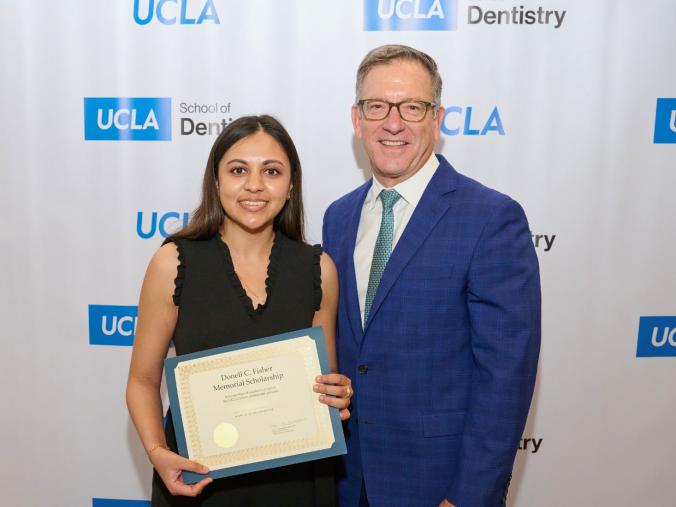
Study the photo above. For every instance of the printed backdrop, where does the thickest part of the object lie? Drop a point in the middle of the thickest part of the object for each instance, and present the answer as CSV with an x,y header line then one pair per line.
x,y
108,113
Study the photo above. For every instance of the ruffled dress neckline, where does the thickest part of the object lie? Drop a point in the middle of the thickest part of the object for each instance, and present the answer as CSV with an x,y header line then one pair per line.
x,y
273,263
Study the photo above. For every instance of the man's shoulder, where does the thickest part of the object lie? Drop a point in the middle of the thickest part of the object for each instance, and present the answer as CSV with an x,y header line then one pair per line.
x,y
347,202
477,192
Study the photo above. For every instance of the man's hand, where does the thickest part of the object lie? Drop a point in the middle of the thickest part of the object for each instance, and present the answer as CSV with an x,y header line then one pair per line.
x,y
335,390
446,503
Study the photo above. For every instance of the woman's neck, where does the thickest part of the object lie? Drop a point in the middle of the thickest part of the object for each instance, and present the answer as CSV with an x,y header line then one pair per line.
x,y
249,243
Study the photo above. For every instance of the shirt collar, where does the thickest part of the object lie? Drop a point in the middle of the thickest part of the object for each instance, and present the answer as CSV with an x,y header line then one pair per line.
x,y
411,189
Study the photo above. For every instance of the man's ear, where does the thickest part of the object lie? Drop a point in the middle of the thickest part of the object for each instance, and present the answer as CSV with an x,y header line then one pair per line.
x,y
356,121
438,121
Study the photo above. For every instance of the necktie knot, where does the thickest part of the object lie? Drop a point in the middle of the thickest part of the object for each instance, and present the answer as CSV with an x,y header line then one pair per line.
x,y
389,198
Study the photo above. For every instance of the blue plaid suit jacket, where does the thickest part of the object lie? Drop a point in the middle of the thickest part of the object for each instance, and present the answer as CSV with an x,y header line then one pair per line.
x,y
444,368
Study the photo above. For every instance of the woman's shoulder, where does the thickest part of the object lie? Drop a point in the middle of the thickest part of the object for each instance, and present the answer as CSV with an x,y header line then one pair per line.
x,y
194,251
191,243
298,246
166,258
162,270
319,258
170,261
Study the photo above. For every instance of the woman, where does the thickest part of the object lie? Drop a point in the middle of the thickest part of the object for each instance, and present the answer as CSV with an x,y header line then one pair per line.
x,y
238,271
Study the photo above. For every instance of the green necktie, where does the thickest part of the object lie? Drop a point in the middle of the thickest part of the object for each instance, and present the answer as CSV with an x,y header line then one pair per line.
x,y
383,248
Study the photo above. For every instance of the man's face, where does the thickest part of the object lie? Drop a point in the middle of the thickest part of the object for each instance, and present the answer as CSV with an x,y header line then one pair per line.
x,y
396,148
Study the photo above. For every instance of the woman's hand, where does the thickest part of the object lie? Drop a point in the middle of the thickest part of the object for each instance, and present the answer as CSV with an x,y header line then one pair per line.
x,y
170,465
336,391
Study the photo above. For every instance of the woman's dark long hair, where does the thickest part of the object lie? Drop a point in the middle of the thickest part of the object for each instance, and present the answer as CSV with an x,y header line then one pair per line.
x,y
207,219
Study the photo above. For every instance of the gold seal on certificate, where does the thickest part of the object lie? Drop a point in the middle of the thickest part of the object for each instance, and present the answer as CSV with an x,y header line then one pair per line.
x,y
251,406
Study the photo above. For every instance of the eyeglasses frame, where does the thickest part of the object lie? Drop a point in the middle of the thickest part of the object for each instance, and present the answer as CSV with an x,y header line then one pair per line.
x,y
428,105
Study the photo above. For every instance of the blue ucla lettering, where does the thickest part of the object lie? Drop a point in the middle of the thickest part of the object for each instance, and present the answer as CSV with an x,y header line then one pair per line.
x,y
168,15
163,221
149,16
160,13
447,112
185,20
492,124
139,225
468,131
159,223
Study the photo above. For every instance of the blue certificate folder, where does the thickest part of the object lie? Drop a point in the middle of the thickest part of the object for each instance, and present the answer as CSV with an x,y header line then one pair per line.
x,y
336,449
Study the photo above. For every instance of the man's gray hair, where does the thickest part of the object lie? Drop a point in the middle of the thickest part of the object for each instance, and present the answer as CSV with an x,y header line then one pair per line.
x,y
390,52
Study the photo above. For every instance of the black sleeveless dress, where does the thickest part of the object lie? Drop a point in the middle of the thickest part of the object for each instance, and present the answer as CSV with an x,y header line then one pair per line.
x,y
214,310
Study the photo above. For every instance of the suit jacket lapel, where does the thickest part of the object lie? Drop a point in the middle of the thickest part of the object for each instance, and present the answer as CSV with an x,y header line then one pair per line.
x,y
432,206
350,280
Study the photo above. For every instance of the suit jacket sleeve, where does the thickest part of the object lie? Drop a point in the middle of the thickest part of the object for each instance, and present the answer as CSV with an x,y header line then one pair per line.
x,y
325,238
503,298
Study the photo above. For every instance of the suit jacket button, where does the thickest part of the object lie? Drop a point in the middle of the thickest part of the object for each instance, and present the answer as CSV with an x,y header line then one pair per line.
x,y
363,369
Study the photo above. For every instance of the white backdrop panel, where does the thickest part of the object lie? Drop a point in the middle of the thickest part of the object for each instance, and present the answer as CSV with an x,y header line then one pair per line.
x,y
577,104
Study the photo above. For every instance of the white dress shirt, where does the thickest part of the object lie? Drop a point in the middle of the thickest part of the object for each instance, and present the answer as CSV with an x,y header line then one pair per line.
x,y
411,190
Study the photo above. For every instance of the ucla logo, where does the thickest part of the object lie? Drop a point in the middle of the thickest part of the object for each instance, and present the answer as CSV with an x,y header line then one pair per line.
x,y
665,121
112,325
127,119
656,337
172,12
164,224
410,15
110,502
458,121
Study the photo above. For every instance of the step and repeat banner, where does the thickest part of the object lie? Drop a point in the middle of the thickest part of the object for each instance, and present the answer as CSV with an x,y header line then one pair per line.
x,y
109,109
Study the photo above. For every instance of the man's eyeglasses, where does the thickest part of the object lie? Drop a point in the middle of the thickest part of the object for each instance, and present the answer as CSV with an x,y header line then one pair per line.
x,y
409,110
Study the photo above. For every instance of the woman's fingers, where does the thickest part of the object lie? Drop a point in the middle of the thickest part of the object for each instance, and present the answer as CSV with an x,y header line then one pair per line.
x,y
166,458
170,466
193,466
178,487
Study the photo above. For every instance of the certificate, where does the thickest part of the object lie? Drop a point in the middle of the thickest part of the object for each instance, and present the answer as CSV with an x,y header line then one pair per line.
x,y
250,406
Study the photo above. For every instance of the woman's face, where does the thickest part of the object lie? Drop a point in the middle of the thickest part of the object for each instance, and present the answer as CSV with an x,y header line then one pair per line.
x,y
254,181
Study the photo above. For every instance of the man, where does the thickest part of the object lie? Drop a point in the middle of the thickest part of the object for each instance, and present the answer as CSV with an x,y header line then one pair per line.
x,y
439,313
